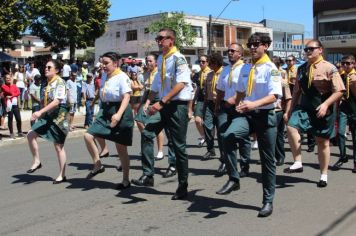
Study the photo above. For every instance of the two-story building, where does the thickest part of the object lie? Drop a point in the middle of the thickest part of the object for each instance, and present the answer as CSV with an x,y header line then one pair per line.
x,y
335,27
131,36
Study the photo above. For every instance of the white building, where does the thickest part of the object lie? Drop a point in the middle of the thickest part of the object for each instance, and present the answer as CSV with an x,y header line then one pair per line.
x,y
130,37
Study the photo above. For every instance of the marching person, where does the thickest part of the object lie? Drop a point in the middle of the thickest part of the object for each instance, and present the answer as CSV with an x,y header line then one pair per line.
x,y
51,122
347,111
319,86
173,85
258,88
114,120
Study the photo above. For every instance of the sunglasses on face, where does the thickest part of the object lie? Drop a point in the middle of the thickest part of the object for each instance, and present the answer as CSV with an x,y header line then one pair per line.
x,y
347,63
48,67
310,49
202,62
254,44
288,60
160,38
231,50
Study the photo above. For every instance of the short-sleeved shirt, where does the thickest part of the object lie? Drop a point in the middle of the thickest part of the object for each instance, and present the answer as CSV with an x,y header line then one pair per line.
x,y
281,102
31,74
114,88
57,90
35,91
72,91
291,74
209,92
224,83
267,81
177,71
66,70
89,90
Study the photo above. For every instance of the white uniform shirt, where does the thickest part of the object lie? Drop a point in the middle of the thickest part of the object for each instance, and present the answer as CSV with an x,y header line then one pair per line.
x,y
66,70
223,82
177,71
115,88
267,81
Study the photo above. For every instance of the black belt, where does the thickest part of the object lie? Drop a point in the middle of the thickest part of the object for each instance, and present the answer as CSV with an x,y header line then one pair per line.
x,y
178,102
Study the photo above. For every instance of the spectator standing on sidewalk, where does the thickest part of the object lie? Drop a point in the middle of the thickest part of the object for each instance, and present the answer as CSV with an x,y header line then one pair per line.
x,y
72,98
35,93
88,92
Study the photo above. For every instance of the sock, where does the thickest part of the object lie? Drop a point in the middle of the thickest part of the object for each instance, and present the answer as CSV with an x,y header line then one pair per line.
x,y
296,165
324,177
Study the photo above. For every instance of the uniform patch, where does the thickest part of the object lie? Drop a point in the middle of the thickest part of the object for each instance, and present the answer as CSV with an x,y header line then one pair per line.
x,y
334,70
275,78
275,73
180,61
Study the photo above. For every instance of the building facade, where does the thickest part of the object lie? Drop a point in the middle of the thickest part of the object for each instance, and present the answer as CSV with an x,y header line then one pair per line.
x,y
335,27
131,36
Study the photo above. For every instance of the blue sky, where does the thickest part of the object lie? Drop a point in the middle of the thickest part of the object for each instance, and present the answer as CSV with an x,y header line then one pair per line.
x,y
297,11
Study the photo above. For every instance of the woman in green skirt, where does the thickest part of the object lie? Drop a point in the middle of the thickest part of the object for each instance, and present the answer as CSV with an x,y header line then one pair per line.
x,y
51,121
114,120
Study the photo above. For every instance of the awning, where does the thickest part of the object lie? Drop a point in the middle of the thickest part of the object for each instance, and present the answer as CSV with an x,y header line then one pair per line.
x,y
6,57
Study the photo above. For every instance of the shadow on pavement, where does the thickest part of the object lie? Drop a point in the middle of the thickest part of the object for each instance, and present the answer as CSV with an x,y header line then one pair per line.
x,y
29,179
86,184
130,192
210,206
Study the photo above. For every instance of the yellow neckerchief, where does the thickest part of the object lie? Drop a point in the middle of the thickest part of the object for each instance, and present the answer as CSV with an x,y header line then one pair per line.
x,y
115,72
163,65
291,69
311,70
203,76
47,89
232,68
152,76
215,78
348,82
262,60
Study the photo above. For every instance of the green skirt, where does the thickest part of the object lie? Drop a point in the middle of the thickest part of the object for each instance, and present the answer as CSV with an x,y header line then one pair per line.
x,y
54,126
199,109
122,133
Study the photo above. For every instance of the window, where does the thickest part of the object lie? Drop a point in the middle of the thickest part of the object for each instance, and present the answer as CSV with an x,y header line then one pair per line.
x,y
118,34
198,30
131,35
27,48
337,28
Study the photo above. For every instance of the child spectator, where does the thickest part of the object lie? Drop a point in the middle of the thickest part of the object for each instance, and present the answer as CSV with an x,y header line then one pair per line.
x,y
88,92
35,93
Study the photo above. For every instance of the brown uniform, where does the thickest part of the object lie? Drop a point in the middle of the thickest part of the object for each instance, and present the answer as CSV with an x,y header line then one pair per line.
x,y
210,94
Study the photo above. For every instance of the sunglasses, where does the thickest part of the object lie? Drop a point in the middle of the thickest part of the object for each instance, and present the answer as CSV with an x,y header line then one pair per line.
x,y
310,49
203,62
48,67
288,60
254,44
346,63
231,50
160,38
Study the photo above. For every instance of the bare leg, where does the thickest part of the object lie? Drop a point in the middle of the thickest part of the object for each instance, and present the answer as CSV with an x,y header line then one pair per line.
x,y
323,154
140,126
62,158
125,161
32,143
93,150
71,118
199,125
294,142
103,146
160,140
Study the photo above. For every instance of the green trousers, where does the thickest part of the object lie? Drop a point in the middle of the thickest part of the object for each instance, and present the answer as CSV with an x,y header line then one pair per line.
x,y
343,119
210,122
280,153
174,118
225,119
263,122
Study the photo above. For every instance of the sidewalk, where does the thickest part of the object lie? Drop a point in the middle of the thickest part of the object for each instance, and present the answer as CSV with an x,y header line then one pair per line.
x,y
5,139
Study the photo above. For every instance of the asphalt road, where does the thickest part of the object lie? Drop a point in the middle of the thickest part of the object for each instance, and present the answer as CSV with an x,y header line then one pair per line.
x,y
31,205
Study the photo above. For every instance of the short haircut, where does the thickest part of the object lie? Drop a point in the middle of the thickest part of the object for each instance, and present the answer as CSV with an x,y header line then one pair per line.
x,y
349,57
260,37
171,32
316,41
114,56
204,55
57,64
216,59
241,48
154,55
292,56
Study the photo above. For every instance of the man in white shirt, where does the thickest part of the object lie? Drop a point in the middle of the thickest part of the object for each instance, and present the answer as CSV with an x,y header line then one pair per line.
x,y
66,71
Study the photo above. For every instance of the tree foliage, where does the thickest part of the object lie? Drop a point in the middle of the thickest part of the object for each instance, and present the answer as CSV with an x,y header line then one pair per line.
x,y
185,36
12,22
68,23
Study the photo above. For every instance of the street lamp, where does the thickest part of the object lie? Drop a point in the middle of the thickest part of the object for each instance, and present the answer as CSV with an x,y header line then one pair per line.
x,y
210,24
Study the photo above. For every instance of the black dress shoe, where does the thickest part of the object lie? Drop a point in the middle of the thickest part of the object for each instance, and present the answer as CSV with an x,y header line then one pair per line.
x,y
171,171
123,185
311,148
64,179
266,210
280,163
95,172
244,173
339,163
144,180
221,170
181,192
322,184
104,155
291,171
36,168
208,155
229,187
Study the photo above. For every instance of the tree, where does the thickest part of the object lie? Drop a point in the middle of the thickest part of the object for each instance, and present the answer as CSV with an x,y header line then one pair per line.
x,y
68,23
12,22
185,36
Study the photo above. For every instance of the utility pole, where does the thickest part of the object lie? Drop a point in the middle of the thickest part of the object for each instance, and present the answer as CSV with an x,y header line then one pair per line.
x,y
209,35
